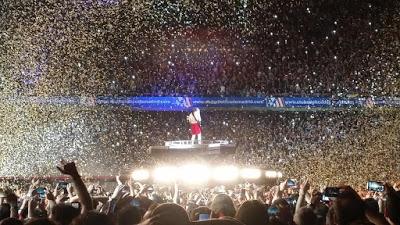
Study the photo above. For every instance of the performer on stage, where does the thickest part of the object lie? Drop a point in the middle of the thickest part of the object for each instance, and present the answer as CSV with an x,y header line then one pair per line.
x,y
195,121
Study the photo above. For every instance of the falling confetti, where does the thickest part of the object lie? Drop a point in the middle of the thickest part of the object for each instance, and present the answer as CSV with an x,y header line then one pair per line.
x,y
197,48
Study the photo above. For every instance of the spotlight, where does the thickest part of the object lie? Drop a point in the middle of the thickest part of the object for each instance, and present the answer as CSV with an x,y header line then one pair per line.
x,y
194,174
140,175
225,173
165,174
250,173
271,174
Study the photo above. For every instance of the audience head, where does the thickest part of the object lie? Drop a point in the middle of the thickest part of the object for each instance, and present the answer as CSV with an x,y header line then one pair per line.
x,y
321,211
149,211
305,216
64,214
41,221
168,214
392,204
93,218
221,206
348,207
316,198
284,211
11,221
252,213
129,215
224,221
5,210
372,205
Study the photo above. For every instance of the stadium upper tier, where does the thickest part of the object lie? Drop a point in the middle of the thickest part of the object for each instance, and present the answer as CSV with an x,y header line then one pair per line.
x,y
228,48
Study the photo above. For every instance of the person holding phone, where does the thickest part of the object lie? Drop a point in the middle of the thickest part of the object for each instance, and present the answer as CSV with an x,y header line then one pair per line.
x,y
200,214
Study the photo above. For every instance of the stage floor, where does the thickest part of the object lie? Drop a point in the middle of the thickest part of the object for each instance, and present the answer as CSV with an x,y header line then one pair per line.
x,y
184,147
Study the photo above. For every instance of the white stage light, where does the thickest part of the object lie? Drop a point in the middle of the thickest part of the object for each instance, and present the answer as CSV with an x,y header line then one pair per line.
x,y
140,175
225,173
279,174
271,174
165,174
194,173
250,173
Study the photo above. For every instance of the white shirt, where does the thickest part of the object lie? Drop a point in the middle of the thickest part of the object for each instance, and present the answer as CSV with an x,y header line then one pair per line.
x,y
194,117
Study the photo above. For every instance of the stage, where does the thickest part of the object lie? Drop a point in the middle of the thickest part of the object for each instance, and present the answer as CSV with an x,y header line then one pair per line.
x,y
188,147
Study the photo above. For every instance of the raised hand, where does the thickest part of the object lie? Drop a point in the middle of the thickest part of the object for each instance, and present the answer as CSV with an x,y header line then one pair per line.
x,y
59,198
130,183
118,179
139,184
305,187
12,199
91,188
32,187
68,168
35,183
70,189
118,191
269,196
50,196
56,191
283,185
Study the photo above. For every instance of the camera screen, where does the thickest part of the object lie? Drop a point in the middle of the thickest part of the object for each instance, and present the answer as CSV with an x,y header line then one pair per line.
x,y
76,205
325,198
204,216
331,191
291,183
375,186
273,211
41,192
135,202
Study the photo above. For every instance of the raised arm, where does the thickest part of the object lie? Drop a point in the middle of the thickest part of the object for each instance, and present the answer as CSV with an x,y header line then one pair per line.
x,y
302,193
34,184
392,204
12,199
80,188
279,190
176,198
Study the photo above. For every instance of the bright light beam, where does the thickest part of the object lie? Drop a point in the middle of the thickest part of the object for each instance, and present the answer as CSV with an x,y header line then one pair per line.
x,y
250,173
271,174
194,174
140,175
165,174
225,173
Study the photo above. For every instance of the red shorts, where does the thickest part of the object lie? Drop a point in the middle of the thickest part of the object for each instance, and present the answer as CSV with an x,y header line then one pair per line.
x,y
196,129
